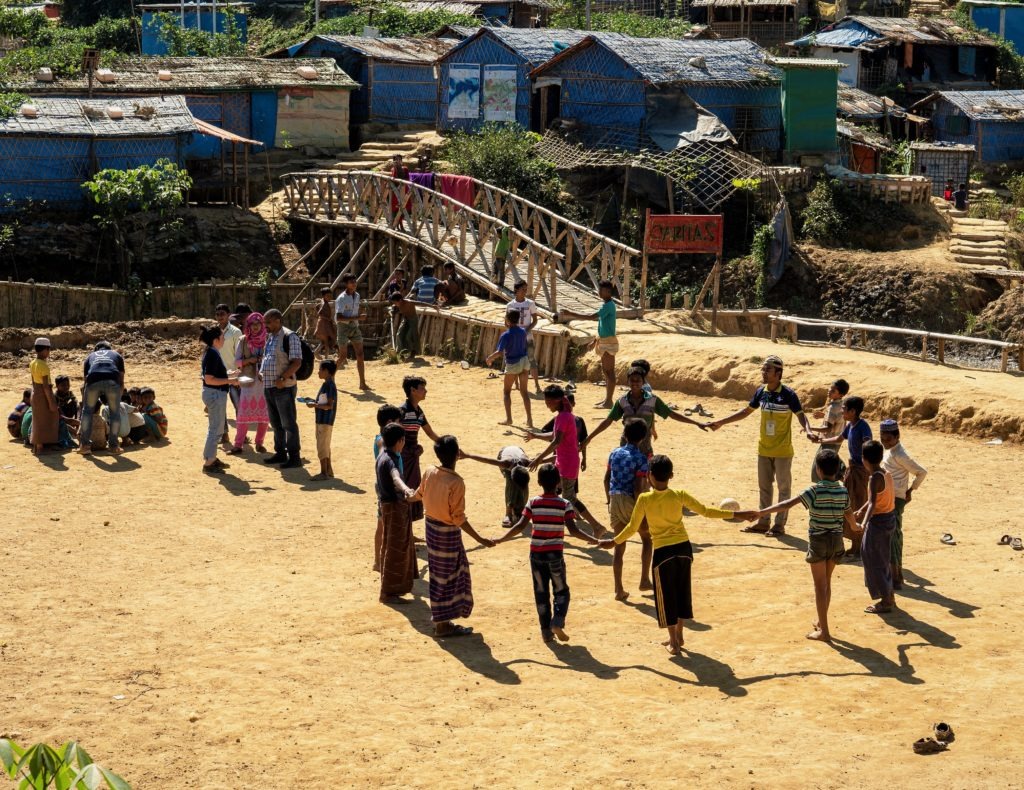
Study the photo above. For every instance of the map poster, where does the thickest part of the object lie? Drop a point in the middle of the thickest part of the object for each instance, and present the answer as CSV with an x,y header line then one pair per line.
x,y
499,93
463,91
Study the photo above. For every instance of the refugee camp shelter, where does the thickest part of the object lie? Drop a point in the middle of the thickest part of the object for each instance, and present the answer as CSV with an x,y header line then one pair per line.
x,y
765,22
941,162
487,76
397,86
809,98
624,92
992,122
51,146
861,148
206,15
275,102
924,55
1003,19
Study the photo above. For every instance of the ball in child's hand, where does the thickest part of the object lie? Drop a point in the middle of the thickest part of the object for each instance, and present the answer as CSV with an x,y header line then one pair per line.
x,y
729,504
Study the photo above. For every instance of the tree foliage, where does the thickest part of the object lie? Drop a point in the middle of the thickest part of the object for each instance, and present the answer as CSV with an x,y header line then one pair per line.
x,y
67,767
183,41
503,155
60,46
573,15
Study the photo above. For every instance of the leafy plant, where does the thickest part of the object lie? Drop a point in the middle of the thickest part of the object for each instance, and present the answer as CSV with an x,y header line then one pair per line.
x,y
805,23
156,191
68,767
574,15
985,207
897,161
182,41
822,220
10,103
1015,185
59,46
503,155
760,251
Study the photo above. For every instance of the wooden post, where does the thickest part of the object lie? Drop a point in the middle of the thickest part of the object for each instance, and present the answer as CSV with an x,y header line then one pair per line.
x,y
671,195
924,348
668,301
775,330
1004,359
643,280
848,337
686,300
717,272
941,352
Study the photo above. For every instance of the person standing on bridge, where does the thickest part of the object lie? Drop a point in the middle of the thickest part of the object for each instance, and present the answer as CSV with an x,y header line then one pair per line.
x,y
399,172
348,313
607,344
527,310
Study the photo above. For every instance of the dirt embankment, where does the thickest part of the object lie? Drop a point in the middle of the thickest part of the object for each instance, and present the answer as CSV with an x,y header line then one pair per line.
x,y
1003,318
982,404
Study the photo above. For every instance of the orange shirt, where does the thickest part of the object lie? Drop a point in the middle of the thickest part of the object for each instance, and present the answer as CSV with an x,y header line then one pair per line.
x,y
885,500
444,496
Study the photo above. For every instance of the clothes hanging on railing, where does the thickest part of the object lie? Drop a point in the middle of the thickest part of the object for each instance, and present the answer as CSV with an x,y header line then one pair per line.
x,y
425,180
460,188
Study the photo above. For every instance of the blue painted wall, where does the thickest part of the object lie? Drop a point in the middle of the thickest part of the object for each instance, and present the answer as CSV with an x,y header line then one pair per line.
x,y
1007,21
263,108
152,44
485,51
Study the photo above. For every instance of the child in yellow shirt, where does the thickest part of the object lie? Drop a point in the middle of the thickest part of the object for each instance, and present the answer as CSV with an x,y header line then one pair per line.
x,y
673,553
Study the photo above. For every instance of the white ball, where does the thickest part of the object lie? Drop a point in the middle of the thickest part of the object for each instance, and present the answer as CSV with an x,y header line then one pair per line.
x,y
729,504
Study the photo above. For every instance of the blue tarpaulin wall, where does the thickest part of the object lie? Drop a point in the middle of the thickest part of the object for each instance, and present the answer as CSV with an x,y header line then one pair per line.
x,y
481,52
993,141
152,44
52,169
1006,21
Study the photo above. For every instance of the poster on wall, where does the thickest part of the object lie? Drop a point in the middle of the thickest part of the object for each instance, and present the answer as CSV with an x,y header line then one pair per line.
x,y
464,92
499,93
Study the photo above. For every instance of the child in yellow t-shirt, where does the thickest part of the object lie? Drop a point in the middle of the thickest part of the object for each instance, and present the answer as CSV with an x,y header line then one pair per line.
x,y
673,553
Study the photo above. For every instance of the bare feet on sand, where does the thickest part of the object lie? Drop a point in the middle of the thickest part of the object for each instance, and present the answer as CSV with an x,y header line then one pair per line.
x,y
562,636
817,636
621,595
646,586
505,422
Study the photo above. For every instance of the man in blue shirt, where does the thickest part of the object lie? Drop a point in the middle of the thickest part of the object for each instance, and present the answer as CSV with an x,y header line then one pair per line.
x,y
104,376
857,431
425,287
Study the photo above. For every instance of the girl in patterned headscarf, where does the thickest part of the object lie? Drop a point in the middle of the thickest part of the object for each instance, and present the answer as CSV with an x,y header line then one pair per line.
x,y
252,405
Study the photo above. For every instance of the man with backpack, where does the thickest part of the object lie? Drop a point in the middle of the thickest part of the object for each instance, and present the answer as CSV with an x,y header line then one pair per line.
x,y
282,360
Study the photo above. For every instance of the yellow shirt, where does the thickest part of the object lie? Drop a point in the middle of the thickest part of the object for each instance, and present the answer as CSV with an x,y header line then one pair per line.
x,y
444,496
40,370
664,513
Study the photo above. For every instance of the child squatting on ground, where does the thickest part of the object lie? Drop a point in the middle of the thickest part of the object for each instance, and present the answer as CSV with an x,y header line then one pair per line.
x,y
673,553
826,502
551,516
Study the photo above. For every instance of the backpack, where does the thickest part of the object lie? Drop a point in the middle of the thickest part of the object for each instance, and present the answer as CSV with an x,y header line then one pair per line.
x,y
308,359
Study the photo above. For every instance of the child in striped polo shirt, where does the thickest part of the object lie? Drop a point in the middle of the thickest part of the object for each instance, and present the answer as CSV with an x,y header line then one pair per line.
x,y
551,516
826,502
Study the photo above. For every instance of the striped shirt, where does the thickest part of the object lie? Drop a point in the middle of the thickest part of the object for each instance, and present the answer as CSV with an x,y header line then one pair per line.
x,y
826,501
413,419
548,512
424,288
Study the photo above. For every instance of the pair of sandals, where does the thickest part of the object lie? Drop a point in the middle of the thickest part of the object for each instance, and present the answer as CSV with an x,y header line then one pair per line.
x,y
942,737
1014,543
699,410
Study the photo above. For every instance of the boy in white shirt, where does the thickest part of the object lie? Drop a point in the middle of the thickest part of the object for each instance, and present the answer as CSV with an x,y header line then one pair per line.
x,y
898,463
527,310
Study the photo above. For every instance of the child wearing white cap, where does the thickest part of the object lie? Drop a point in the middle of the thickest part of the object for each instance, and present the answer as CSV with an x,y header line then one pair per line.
x,y
898,463
45,417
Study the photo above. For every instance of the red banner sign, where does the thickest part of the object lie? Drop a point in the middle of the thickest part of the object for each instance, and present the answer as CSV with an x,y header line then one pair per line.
x,y
683,233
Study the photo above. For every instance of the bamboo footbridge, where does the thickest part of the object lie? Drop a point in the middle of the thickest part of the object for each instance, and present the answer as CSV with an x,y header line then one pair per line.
x,y
561,261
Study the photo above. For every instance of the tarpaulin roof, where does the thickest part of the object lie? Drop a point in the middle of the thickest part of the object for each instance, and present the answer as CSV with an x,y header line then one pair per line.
x,y
676,121
871,32
200,75
988,105
403,50
664,60
153,117
534,45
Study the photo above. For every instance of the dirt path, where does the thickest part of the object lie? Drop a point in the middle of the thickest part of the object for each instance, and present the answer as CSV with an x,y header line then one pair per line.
x,y
200,633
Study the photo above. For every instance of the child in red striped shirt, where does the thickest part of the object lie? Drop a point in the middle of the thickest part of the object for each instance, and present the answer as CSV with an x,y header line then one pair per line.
x,y
551,516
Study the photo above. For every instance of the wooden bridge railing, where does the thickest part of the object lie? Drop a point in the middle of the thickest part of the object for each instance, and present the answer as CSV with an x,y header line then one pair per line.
x,y
463,233
585,250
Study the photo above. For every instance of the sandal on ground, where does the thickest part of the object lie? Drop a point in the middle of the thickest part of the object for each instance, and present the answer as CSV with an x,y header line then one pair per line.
x,y
235,451
454,630
212,469
1006,540
877,608
928,746
943,732
1017,545
760,529
947,538
775,532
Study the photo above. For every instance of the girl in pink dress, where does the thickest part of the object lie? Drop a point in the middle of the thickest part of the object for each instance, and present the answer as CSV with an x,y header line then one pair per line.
x,y
252,406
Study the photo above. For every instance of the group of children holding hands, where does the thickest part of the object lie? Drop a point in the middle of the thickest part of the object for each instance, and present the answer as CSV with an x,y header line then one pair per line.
x,y
868,509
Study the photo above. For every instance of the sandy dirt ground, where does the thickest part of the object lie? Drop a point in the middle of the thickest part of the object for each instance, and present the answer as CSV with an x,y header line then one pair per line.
x,y
225,633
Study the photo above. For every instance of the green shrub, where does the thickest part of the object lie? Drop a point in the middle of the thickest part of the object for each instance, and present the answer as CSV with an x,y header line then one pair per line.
x,y
182,41
503,155
985,207
67,767
822,220
625,22
760,252
1015,184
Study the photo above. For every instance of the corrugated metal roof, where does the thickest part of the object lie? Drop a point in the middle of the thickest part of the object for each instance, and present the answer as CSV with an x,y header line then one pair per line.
x,y
534,45
139,74
871,32
449,6
668,60
863,135
158,116
808,63
405,50
858,105
988,105
458,32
